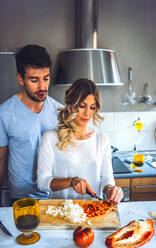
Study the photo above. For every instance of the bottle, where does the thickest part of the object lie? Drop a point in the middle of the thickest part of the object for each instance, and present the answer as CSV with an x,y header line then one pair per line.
x,y
138,125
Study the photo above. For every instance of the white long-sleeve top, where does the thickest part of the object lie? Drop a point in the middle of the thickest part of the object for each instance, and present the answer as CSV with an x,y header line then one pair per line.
x,y
90,159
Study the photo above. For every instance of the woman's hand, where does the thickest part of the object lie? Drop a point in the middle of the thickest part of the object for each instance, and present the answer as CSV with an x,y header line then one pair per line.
x,y
80,185
114,194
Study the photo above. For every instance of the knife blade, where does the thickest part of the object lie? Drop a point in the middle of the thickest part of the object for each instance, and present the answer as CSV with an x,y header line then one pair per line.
x,y
4,229
94,196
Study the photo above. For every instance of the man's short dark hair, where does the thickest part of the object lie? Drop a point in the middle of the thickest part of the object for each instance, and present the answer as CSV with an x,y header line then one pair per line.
x,y
34,56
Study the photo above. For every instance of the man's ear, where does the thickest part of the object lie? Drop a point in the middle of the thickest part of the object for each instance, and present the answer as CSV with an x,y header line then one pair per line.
x,y
19,78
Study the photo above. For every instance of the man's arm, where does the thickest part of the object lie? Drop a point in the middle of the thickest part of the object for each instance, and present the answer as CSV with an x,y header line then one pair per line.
x,y
3,153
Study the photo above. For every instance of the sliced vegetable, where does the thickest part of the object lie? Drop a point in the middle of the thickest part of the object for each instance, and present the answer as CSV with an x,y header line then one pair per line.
x,y
135,234
96,208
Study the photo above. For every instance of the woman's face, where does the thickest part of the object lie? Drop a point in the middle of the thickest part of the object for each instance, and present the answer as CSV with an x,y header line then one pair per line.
x,y
86,111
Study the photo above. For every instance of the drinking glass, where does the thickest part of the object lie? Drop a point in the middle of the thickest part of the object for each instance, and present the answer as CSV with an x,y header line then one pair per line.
x,y
27,217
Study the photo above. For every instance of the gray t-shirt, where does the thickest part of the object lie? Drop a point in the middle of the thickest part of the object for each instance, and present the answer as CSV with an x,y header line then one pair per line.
x,y
21,130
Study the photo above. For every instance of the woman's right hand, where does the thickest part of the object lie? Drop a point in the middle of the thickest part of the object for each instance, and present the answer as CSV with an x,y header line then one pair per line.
x,y
80,185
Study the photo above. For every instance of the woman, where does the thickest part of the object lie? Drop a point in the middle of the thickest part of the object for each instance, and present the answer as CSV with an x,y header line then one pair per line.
x,y
73,158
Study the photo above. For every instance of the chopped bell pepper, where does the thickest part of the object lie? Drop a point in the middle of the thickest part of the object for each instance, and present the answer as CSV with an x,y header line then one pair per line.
x,y
133,235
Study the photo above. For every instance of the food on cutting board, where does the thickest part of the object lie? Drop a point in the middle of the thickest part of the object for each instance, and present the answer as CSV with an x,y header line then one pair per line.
x,y
83,237
80,212
135,234
69,211
97,208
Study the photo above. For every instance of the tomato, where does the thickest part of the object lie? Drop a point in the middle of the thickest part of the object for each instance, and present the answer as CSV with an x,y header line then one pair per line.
x,y
83,237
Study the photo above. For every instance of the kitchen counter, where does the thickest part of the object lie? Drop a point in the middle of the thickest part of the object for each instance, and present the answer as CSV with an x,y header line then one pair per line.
x,y
63,238
148,171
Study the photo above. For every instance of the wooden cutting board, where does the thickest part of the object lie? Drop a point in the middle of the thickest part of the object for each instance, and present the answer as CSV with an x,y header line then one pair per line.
x,y
110,220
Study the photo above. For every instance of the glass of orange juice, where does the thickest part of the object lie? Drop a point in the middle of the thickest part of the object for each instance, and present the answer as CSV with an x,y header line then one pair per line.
x,y
139,159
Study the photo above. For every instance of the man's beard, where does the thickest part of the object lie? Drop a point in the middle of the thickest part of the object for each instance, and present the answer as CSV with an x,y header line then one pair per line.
x,y
32,97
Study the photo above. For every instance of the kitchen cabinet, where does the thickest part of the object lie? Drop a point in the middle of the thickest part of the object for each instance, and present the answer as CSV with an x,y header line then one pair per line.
x,y
138,189
123,182
143,189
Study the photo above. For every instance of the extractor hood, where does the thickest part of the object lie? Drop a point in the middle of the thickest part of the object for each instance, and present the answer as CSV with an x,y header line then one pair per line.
x,y
86,61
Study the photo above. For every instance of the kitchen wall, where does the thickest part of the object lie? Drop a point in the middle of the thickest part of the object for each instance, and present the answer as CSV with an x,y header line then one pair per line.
x,y
122,133
128,27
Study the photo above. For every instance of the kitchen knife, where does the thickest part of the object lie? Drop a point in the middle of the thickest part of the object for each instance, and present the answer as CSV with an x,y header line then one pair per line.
x,y
94,196
4,229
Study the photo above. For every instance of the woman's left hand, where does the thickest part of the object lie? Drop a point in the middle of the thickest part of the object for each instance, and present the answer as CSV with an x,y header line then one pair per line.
x,y
114,194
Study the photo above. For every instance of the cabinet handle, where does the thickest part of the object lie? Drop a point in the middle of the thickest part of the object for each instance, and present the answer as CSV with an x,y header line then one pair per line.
x,y
146,186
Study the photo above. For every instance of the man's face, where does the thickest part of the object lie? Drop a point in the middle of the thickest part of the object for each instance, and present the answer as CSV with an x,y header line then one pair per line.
x,y
35,82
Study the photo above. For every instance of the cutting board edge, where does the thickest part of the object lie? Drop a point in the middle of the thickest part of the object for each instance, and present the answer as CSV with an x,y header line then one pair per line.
x,y
74,227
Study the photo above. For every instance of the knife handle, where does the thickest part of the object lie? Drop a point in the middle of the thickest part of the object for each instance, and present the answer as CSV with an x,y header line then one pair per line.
x,y
4,229
89,193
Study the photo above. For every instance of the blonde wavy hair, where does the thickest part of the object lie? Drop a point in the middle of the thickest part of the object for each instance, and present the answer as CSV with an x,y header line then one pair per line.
x,y
74,95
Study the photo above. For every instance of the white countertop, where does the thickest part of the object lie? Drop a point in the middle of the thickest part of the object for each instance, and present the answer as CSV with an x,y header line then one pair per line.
x,y
64,238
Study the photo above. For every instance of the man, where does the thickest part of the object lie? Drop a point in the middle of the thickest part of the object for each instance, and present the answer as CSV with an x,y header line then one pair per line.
x,y
23,119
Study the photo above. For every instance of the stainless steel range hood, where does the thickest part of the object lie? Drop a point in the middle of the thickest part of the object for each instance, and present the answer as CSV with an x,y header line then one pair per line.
x,y
86,61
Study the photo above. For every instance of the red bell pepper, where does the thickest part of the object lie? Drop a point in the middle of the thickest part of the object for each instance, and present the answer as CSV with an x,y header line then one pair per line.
x,y
133,235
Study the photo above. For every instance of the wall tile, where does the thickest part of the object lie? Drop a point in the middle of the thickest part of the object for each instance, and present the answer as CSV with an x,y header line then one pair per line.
x,y
149,119
124,120
123,135
108,124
